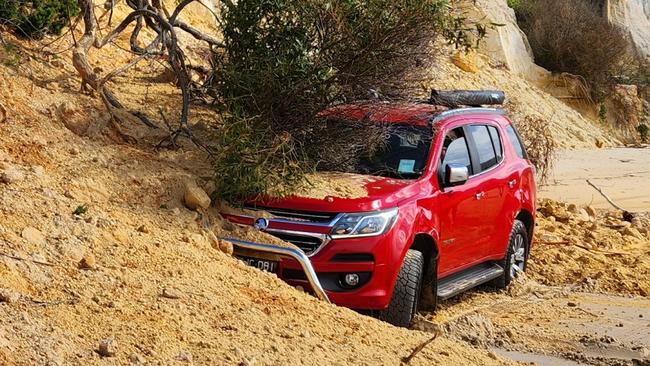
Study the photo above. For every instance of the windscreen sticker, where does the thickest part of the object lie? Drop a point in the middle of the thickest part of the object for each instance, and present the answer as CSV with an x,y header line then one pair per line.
x,y
406,166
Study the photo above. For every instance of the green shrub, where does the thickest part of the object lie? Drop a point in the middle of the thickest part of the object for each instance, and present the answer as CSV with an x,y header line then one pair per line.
x,y
286,60
36,18
643,130
571,36
602,112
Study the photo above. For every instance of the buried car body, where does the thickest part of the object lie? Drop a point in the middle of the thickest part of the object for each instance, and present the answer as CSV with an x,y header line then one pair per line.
x,y
449,205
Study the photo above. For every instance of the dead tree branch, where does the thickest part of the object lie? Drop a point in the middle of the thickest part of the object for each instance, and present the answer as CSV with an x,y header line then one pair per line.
x,y
418,349
627,215
156,17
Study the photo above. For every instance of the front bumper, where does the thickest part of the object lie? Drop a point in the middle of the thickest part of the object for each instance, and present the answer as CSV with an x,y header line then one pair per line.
x,y
367,256
296,254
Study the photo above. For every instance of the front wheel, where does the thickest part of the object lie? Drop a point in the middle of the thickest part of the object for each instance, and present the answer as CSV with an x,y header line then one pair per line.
x,y
404,302
514,262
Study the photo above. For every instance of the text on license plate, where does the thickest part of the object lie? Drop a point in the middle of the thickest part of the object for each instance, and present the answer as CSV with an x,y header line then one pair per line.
x,y
261,264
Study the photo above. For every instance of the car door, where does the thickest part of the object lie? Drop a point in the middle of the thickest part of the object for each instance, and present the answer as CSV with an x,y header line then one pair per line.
x,y
457,207
487,152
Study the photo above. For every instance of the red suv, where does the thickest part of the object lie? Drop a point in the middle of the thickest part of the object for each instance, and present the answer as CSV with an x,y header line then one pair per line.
x,y
450,205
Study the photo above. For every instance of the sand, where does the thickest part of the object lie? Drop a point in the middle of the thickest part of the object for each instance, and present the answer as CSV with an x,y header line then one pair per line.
x,y
622,173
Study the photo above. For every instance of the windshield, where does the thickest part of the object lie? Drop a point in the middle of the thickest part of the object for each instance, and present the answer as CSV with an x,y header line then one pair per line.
x,y
402,152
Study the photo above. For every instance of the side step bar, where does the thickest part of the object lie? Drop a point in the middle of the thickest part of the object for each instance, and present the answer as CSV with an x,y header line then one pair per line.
x,y
469,278
294,253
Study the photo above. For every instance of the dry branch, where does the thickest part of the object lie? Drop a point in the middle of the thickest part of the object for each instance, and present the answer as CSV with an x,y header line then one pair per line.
x,y
418,349
627,215
157,18
3,113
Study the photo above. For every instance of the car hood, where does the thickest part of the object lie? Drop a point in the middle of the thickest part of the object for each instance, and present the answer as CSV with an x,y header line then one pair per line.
x,y
370,193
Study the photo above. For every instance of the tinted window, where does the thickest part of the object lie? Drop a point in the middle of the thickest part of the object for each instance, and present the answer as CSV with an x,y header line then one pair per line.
x,y
486,155
516,143
454,150
496,141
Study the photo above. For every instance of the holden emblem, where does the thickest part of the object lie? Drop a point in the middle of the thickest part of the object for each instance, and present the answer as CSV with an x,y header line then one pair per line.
x,y
261,224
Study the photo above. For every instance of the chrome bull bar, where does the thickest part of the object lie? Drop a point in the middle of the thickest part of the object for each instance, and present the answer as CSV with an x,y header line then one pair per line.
x,y
294,253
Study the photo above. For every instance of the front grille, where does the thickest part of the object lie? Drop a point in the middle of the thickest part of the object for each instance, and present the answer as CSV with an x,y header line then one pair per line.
x,y
307,243
317,217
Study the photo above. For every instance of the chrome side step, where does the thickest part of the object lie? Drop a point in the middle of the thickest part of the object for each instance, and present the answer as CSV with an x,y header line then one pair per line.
x,y
460,282
294,253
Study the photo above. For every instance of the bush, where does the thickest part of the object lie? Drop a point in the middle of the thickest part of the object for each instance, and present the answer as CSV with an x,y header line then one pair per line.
x,y
571,36
287,60
36,18
643,130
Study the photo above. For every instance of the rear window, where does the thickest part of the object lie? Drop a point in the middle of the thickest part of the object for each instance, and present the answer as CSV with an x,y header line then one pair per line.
x,y
516,142
496,141
486,153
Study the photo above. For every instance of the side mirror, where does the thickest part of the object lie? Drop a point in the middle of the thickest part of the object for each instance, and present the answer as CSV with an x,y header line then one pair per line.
x,y
456,174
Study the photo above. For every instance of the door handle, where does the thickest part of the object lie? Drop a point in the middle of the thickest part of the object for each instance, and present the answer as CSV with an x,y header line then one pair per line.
x,y
480,195
512,183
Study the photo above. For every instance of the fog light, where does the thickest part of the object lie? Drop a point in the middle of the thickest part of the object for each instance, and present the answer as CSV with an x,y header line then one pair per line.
x,y
352,279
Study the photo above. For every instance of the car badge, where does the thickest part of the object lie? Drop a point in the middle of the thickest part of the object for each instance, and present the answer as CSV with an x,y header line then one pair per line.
x,y
261,224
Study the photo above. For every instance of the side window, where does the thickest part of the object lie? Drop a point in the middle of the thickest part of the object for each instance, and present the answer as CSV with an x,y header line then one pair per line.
x,y
496,141
516,143
455,150
486,154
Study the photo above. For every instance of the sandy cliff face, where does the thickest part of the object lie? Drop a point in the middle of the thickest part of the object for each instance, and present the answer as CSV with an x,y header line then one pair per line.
x,y
507,43
634,16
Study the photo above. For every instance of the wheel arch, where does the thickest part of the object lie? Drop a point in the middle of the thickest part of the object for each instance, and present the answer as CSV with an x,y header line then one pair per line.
x,y
427,245
528,219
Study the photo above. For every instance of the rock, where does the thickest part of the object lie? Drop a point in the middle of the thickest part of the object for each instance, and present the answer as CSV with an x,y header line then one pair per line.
x,y
88,262
184,356
591,211
135,358
143,229
572,208
171,293
571,304
195,197
465,61
107,347
33,236
549,238
68,114
8,295
582,215
121,235
11,175
630,231
226,247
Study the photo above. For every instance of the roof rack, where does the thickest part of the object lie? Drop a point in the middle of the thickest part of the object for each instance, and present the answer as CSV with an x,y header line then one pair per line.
x,y
468,98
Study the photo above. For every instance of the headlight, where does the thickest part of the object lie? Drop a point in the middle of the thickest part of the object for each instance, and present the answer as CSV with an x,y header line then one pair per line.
x,y
363,224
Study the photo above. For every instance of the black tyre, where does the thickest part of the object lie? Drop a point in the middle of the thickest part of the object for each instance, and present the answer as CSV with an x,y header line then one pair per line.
x,y
516,256
406,294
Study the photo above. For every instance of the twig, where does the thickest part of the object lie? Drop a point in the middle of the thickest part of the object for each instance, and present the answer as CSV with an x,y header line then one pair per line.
x,y
419,349
27,260
625,212
581,247
3,113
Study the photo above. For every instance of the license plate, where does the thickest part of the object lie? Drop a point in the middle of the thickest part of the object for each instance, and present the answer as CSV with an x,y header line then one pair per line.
x,y
261,264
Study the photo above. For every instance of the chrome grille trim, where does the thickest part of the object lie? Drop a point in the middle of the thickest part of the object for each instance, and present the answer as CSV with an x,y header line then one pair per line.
x,y
289,216
323,238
